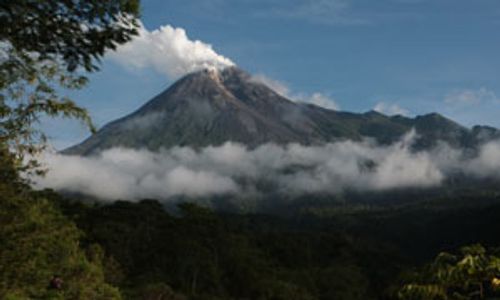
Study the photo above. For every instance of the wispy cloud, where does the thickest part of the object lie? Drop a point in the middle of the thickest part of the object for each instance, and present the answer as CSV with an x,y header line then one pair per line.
x,y
390,109
465,97
278,86
316,98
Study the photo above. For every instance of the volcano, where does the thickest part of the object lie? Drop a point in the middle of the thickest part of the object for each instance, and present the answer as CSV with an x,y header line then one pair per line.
x,y
211,107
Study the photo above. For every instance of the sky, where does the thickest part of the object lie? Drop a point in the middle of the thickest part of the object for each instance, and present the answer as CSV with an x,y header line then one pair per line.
x,y
407,57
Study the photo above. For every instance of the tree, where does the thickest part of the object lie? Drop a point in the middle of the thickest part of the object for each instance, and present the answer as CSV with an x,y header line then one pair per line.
x,y
471,274
47,46
37,243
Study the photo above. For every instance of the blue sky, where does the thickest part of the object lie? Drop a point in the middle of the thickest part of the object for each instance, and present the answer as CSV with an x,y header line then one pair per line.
x,y
399,56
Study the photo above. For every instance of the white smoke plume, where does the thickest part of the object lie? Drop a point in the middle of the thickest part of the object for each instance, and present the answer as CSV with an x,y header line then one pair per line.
x,y
233,169
169,51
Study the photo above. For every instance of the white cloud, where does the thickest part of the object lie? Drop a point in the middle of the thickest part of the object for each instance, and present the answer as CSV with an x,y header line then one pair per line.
x,y
283,89
319,99
130,174
236,170
169,51
390,109
487,163
276,85
466,97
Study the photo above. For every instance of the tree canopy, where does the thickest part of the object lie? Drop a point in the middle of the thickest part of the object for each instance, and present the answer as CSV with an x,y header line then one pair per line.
x,y
37,243
46,47
473,273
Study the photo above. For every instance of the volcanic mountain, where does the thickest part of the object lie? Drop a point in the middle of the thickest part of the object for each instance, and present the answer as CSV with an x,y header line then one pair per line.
x,y
211,107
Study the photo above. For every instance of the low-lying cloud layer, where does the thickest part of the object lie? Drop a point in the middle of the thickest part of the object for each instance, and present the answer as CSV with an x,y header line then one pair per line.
x,y
168,50
291,170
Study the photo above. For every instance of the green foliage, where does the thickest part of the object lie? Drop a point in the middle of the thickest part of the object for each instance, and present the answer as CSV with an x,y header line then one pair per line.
x,y
339,252
44,46
471,274
205,255
8,170
37,242
76,32
26,94
156,291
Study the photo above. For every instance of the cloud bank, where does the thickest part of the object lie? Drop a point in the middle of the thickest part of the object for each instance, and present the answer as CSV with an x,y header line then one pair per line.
x,y
169,51
232,169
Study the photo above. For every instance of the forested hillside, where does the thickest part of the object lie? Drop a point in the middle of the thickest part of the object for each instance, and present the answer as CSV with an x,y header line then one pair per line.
x,y
336,252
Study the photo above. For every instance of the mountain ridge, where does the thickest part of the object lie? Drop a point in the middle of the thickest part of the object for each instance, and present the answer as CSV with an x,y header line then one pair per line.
x,y
211,107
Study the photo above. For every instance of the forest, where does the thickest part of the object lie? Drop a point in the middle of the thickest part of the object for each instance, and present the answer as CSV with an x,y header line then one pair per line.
x,y
430,248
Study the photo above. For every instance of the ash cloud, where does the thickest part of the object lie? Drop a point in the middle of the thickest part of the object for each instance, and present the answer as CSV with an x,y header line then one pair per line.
x,y
292,170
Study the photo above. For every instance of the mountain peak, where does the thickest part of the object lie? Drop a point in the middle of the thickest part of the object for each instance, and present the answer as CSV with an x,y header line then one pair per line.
x,y
214,106
437,121
214,77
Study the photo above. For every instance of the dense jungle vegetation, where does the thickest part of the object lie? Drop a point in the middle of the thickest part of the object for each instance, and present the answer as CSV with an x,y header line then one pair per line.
x,y
344,251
